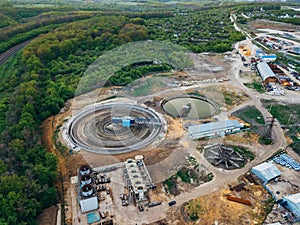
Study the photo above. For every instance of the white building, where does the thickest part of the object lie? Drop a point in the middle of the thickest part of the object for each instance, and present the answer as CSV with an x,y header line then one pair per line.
x,y
266,171
293,203
214,129
87,198
266,73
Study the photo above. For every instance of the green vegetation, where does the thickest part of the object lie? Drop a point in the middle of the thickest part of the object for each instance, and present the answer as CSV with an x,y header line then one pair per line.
x,y
230,98
194,209
133,72
251,115
16,34
289,117
40,79
264,140
192,173
147,86
244,152
256,85
268,205
199,31
37,81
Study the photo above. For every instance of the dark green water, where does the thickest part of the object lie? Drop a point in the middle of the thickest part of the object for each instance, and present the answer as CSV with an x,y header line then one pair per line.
x,y
200,109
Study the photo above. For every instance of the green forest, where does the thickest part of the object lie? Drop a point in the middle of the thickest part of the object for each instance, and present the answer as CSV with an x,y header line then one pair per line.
x,y
36,82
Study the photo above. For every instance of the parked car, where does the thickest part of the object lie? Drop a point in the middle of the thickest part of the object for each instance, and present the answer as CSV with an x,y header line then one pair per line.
x,y
152,204
172,203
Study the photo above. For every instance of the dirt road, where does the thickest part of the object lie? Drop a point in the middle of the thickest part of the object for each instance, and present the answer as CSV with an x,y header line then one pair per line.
x,y
223,177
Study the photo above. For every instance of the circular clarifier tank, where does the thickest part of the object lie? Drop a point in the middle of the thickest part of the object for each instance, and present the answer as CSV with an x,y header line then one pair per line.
x,y
189,107
102,129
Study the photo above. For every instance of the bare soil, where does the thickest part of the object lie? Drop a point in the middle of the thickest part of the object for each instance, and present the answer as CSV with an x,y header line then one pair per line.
x,y
48,216
267,24
216,208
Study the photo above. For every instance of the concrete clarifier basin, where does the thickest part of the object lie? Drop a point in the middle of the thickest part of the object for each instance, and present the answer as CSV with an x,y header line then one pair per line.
x,y
92,129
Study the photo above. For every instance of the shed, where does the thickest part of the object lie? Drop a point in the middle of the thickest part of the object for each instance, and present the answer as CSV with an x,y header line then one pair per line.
x,y
293,203
268,58
266,73
126,123
266,171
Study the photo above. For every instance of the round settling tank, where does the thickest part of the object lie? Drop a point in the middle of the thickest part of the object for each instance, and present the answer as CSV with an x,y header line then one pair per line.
x,y
189,107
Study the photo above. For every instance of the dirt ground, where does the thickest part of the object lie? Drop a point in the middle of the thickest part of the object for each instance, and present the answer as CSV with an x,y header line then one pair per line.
x,y
216,209
48,216
267,24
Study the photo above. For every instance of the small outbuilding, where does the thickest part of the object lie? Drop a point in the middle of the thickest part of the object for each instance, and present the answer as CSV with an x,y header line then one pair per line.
x,y
268,58
266,171
266,73
293,203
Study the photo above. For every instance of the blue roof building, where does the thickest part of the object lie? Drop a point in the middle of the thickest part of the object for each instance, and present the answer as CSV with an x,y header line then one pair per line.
x,y
266,171
214,129
93,217
268,58
126,123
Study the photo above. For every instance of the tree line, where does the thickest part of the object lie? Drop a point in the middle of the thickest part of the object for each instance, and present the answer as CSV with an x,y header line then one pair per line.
x,y
37,82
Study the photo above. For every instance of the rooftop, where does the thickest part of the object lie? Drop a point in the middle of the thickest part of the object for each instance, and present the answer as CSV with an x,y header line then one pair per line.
x,y
138,174
266,171
294,198
265,70
209,127
294,203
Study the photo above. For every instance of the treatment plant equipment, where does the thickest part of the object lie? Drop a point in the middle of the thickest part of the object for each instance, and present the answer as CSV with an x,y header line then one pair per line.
x,y
223,156
97,128
87,196
129,121
190,106
137,179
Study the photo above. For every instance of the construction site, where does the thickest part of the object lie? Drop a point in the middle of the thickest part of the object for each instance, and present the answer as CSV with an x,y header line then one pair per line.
x,y
276,78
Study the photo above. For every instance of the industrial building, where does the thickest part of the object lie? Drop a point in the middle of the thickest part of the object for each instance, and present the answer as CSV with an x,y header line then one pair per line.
x,y
214,129
266,171
266,73
293,203
137,179
268,58
87,195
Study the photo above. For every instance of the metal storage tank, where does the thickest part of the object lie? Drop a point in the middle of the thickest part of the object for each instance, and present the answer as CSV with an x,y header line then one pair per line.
x,y
85,169
86,179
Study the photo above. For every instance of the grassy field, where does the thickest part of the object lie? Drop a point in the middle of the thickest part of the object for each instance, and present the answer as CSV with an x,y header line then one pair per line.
x,y
289,116
148,86
256,85
244,152
251,115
